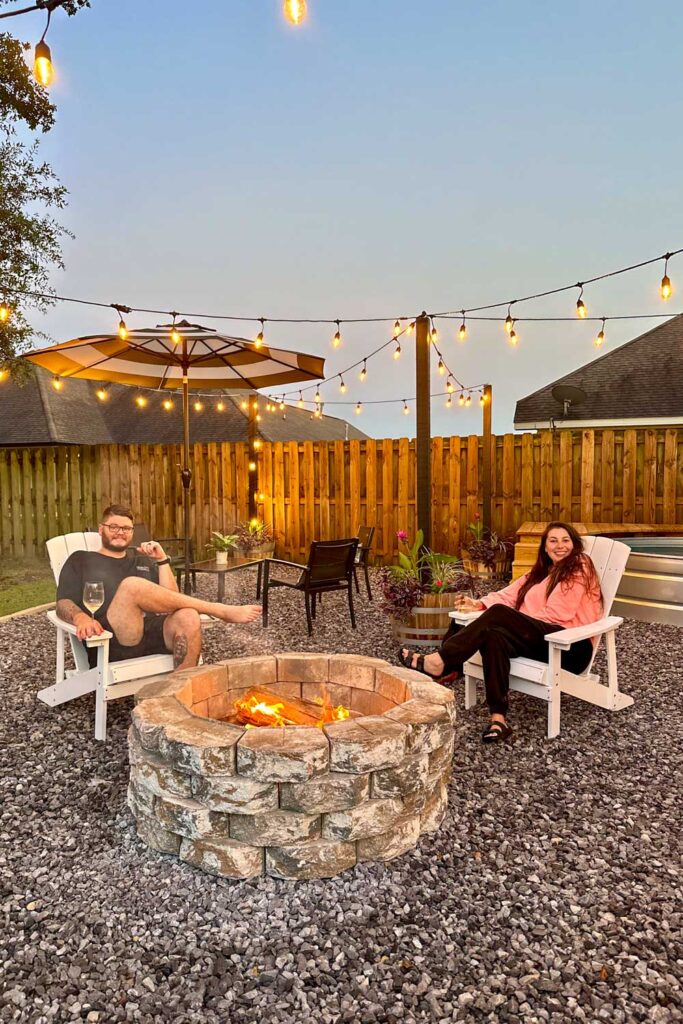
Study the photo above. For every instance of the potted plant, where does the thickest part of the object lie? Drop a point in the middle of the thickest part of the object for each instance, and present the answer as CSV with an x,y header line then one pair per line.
x,y
419,592
486,556
255,538
222,544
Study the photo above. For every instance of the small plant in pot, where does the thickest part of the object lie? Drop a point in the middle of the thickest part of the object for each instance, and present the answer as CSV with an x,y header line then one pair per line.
x,y
486,555
221,546
255,538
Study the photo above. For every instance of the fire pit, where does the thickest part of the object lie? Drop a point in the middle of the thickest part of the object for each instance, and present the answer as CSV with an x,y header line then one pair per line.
x,y
293,801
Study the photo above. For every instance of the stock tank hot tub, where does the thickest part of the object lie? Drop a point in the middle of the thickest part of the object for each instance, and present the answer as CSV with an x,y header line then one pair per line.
x,y
651,588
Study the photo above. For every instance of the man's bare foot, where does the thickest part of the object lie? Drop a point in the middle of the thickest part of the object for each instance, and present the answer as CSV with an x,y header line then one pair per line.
x,y
237,612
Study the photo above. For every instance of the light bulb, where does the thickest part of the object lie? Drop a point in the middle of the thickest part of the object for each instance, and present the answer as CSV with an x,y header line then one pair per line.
x,y
220,406
482,400
513,337
449,402
257,444
175,335
317,396
665,289
258,340
252,467
4,312
449,386
342,385
461,399
294,11
364,372
244,404
123,330
101,394
42,65
406,410
581,310
359,409
141,401
508,322
468,400
411,327
397,352
282,405
601,335
57,384
397,328
258,417
441,368
167,404
198,406
336,341
300,403
462,331
433,334
261,496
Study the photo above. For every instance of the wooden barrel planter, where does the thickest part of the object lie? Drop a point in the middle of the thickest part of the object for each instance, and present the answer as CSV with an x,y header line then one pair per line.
x,y
427,622
480,570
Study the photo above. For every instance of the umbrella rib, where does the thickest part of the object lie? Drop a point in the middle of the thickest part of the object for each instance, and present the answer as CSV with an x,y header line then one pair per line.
x,y
260,356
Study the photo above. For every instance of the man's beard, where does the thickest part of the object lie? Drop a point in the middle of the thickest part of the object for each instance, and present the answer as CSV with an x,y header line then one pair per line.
x,y
119,544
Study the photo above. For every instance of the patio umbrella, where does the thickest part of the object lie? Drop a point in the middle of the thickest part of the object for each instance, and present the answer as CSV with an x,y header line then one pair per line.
x,y
174,356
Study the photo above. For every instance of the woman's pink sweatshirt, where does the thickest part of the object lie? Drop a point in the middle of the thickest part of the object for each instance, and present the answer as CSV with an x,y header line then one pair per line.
x,y
569,604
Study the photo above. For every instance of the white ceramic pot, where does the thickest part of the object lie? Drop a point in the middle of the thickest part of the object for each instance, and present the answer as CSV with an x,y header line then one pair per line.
x,y
221,558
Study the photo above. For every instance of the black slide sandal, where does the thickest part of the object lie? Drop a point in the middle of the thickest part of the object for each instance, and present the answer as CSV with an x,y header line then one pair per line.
x,y
496,732
419,666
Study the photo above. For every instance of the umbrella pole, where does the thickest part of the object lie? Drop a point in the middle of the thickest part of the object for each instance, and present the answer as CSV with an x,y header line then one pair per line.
x,y
186,476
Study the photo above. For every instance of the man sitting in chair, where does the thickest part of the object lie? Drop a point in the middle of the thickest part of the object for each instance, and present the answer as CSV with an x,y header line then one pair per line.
x,y
142,606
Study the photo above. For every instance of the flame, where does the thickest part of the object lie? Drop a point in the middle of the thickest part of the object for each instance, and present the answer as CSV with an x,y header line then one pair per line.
x,y
260,708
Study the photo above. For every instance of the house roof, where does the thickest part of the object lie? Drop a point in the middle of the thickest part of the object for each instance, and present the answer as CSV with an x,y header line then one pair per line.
x,y
640,382
35,414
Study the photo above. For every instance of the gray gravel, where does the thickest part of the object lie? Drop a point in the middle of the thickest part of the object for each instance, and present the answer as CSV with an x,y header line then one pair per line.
x,y
552,890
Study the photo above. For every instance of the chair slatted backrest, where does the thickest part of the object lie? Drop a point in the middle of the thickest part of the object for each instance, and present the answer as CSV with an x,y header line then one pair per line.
x,y
58,550
609,558
365,535
331,560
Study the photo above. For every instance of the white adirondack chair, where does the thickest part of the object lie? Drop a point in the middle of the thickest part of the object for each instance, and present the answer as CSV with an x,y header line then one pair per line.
x,y
550,681
108,681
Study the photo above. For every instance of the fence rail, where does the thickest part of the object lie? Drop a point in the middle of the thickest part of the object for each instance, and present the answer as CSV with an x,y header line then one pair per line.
x,y
310,490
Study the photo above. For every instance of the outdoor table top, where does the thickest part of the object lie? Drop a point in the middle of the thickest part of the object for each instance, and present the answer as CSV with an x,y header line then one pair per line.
x,y
236,562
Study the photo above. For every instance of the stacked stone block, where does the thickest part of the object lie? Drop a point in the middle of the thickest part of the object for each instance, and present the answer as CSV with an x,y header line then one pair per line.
x,y
298,801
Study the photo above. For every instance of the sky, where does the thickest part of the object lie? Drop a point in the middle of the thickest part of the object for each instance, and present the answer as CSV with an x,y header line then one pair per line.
x,y
384,158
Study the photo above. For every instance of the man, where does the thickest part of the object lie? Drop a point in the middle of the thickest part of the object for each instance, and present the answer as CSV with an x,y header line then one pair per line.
x,y
142,605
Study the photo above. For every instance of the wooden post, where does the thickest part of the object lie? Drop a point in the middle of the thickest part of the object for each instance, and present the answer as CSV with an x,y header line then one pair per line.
x,y
423,441
252,432
486,459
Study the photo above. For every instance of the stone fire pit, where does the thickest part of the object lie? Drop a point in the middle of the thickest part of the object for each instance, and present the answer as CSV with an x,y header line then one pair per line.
x,y
293,801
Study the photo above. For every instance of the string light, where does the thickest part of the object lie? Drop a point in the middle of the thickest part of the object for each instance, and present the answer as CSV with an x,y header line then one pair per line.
x,y
4,374
514,340
411,327
300,403
482,399
282,405
397,351
364,372
220,405
581,310
397,328
449,402
123,330
167,404
433,334
295,11
601,335
258,340
359,408
5,312
461,399
317,398
141,401
462,332
257,443
449,386
508,320
244,404
336,341
102,394
198,406
258,417
468,400
342,385
252,466
665,289
441,368
57,383
175,334
406,410
42,61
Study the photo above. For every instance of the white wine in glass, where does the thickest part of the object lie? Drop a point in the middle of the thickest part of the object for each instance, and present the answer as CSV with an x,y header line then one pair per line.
x,y
93,597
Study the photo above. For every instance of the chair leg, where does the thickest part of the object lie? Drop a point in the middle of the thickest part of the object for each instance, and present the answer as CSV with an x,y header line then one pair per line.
x,y
554,704
309,620
367,582
266,588
313,605
470,692
353,616
100,694
355,579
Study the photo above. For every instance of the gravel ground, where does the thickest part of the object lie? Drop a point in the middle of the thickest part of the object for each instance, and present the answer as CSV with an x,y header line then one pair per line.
x,y
552,890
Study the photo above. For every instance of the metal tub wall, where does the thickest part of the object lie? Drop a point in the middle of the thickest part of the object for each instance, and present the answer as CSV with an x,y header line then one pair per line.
x,y
651,588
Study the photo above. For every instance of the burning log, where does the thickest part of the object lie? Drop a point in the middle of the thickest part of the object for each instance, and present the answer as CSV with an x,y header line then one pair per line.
x,y
261,707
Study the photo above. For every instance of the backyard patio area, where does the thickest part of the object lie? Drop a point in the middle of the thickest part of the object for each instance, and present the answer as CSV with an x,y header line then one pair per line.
x,y
551,890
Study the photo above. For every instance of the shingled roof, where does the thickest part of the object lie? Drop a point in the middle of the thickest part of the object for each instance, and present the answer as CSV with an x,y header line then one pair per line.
x,y
35,414
638,384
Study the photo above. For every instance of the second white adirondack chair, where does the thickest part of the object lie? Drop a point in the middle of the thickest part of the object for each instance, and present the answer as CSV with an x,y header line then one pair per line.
x,y
550,681
107,680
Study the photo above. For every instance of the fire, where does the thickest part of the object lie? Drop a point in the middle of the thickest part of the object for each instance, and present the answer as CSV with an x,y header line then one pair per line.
x,y
259,707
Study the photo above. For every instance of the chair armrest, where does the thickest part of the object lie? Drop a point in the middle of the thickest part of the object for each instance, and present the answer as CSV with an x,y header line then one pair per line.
x,y
465,617
564,638
293,565
68,627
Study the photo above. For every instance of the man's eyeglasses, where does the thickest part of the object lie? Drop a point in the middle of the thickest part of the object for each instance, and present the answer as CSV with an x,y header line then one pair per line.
x,y
125,530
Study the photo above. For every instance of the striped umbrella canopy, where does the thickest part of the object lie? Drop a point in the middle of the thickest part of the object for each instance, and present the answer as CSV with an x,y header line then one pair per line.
x,y
178,355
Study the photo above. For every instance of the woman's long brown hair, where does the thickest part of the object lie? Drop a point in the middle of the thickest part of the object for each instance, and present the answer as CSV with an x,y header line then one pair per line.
x,y
574,565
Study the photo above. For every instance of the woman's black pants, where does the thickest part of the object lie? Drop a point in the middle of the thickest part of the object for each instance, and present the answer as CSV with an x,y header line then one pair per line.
x,y
499,634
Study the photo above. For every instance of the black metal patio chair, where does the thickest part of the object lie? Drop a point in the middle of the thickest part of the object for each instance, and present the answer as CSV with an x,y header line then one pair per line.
x,y
365,535
329,568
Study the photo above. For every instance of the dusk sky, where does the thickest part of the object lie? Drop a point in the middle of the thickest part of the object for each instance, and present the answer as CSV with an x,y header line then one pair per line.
x,y
386,157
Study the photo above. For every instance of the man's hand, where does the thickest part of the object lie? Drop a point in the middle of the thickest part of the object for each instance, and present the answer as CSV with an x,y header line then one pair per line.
x,y
85,626
152,549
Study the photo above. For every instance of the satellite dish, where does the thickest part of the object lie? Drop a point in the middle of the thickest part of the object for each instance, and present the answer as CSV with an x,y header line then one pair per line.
x,y
567,395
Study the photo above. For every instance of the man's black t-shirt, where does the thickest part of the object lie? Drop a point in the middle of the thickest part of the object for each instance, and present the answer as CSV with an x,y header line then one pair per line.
x,y
91,567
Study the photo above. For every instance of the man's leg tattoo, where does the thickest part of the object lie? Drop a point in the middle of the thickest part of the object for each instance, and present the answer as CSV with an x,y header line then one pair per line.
x,y
179,649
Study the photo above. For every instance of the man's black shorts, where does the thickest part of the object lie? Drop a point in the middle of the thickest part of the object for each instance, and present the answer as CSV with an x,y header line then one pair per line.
x,y
152,642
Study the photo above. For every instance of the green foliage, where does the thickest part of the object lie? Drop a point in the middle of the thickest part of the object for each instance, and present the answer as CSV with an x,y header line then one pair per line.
x,y
222,541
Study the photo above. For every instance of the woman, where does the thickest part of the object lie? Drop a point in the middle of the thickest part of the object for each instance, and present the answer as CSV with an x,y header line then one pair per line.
x,y
561,590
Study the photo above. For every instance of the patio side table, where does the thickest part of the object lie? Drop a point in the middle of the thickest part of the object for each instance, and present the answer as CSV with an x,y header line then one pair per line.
x,y
212,568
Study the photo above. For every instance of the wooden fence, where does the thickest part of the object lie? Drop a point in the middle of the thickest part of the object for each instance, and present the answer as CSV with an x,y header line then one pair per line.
x,y
311,490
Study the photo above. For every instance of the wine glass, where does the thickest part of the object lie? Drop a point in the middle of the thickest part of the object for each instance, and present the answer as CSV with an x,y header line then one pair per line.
x,y
93,597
